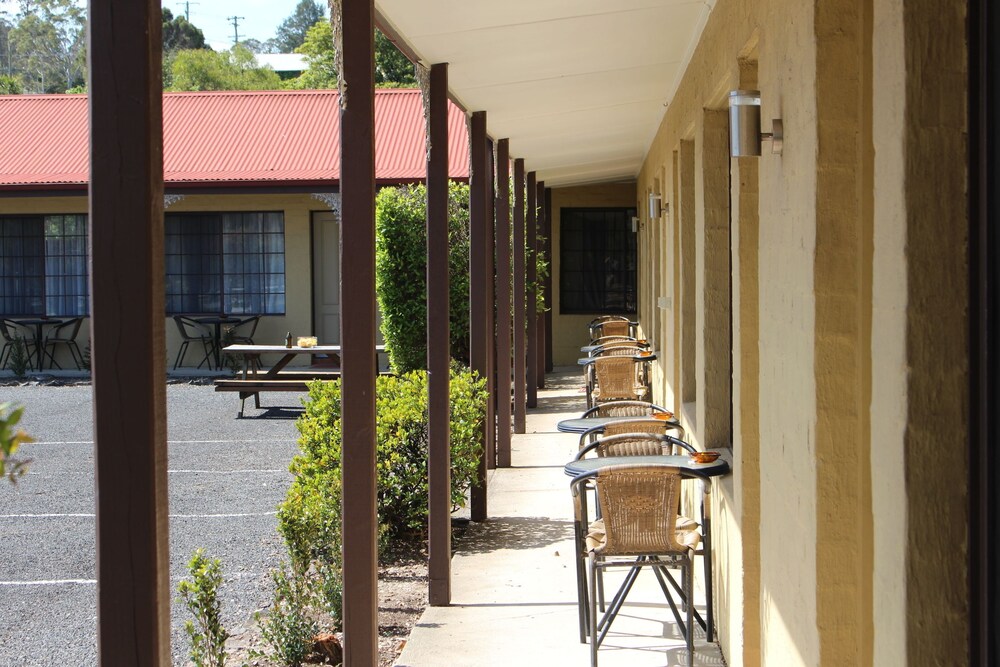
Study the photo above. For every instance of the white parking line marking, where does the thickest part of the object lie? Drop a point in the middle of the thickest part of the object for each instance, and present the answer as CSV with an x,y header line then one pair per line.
x,y
172,516
172,442
227,472
50,582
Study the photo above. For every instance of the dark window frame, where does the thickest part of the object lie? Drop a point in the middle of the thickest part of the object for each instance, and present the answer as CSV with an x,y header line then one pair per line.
x,y
584,248
207,270
51,278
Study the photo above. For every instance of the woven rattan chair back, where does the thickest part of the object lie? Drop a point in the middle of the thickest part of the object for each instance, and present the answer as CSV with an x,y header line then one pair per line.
x,y
616,379
639,507
625,408
618,350
613,328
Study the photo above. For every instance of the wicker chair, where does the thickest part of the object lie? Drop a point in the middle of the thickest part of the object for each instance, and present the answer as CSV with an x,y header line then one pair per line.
x,y
613,328
628,408
598,321
638,425
639,528
604,340
614,379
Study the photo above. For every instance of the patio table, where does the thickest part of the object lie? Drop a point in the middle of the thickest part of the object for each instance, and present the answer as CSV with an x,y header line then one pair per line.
x,y
584,468
39,324
216,321
583,424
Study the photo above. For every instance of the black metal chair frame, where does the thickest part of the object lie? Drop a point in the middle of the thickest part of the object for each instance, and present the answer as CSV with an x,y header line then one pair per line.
x,y
8,329
54,338
206,339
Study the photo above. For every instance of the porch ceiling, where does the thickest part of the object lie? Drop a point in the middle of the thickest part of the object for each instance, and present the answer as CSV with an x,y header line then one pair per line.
x,y
578,86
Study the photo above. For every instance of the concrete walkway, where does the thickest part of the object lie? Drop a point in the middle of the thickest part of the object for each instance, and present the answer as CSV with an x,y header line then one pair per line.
x,y
513,577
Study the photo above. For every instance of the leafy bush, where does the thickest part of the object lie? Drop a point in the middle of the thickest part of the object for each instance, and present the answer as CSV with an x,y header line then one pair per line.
x,y
201,596
290,626
310,517
401,273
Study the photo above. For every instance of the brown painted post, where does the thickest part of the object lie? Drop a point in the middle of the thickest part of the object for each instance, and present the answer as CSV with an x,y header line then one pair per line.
x,y
357,335
491,347
127,295
540,320
531,310
479,336
548,280
503,303
518,298
438,348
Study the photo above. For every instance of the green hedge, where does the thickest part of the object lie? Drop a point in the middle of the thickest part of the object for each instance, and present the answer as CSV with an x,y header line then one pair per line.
x,y
309,518
401,273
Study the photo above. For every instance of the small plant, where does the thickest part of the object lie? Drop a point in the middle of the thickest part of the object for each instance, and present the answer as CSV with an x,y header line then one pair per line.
x,y
289,627
86,357
19,357
201,596
11,441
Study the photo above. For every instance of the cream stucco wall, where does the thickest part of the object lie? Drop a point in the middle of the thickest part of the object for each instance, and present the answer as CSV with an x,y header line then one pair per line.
x,y
826,552
297,209
569,332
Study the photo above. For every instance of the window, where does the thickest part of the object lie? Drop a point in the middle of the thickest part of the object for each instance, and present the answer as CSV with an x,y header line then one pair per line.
x,y
597,271
225,263
43,265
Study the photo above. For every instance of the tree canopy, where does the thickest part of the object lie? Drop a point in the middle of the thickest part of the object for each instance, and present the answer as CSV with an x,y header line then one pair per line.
x,y
236,69
179,34
291,34
45,45
392,68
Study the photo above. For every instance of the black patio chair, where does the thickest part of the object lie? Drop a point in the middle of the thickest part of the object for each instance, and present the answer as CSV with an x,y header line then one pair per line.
x,y
64,334
10,331
192,331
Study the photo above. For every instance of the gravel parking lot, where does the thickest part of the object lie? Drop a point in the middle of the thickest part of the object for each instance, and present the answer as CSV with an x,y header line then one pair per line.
x,y
226,477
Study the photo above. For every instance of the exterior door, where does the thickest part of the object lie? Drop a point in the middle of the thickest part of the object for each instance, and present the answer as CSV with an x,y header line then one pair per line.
x,y
326,276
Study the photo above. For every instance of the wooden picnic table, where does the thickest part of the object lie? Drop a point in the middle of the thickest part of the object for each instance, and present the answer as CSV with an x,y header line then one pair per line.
x,y
252,381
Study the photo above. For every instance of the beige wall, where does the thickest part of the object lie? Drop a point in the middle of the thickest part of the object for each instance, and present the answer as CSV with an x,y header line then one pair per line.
x,y
848,303
569,332
298,261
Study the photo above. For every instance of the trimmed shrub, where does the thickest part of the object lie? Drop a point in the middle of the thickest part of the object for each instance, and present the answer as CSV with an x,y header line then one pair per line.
x,y
401,273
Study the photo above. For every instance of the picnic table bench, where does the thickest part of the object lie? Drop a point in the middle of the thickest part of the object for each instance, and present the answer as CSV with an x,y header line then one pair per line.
x,y
252,382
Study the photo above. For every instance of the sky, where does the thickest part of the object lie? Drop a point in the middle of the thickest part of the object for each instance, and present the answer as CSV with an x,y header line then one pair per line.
x,y
260,17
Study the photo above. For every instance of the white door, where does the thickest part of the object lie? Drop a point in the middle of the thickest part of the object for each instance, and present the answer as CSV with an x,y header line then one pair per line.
x,y
326,276
326,280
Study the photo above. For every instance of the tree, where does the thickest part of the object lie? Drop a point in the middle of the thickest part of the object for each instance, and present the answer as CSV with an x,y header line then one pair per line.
x,y
257,46
392,69
179,34
292,32
321,71
47,46
236,69
10,85
391,66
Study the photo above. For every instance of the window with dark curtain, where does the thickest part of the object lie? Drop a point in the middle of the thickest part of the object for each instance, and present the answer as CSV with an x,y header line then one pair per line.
x,y
43,265
225,263
597,252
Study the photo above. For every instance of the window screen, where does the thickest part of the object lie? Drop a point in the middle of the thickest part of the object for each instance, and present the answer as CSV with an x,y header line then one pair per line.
x,y
225,263
43,265
597,253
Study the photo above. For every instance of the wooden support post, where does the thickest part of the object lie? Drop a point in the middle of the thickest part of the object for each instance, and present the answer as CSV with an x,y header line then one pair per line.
x,y
127,295
540,285
357,298
548,280
491,346
518,296
438,348
479,336
531,239
503,304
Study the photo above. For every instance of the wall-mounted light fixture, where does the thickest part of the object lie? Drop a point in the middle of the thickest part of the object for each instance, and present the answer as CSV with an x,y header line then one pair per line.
x,y
654,206
635,224
744,125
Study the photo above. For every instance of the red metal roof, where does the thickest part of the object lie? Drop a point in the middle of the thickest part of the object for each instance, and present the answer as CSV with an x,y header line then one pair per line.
x,y
233,138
